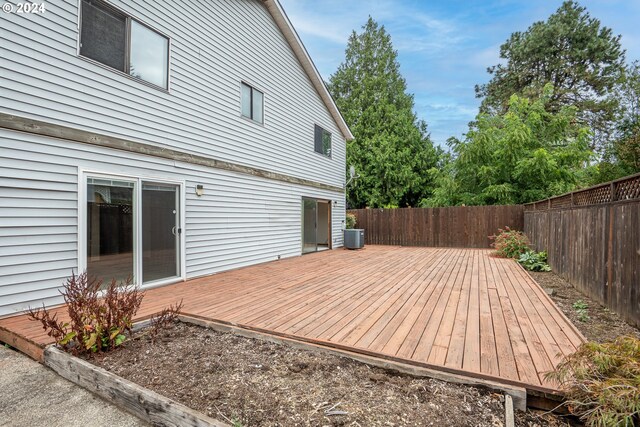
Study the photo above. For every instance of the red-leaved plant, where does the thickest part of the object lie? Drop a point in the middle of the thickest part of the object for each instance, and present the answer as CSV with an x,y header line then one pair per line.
x,y
510,243
100,317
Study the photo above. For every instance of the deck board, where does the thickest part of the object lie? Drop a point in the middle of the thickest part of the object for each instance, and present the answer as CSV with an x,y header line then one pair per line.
x,y
460,309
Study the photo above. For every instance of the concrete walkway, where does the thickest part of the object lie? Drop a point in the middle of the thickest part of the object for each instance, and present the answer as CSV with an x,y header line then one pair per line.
x,y
32,395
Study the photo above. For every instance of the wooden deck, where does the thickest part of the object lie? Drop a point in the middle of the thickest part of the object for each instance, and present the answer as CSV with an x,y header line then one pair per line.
x,y
458,310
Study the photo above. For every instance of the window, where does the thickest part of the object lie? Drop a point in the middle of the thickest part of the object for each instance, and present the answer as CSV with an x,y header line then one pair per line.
x,y
322,141
122,43
252,103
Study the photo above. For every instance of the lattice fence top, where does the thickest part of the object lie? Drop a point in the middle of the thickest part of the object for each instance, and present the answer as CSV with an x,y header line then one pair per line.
x,y
592,196
627,188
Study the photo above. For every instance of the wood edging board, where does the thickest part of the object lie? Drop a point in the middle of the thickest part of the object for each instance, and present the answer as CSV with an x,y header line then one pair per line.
x,y
53,130
517,392
145,404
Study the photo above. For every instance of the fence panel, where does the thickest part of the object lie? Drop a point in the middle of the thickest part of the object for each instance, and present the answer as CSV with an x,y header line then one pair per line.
x,y
460,226
592,237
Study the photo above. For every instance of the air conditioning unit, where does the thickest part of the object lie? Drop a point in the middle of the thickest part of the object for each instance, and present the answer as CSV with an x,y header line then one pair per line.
x,y
353,238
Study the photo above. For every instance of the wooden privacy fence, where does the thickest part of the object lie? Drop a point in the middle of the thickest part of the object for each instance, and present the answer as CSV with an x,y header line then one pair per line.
x,y
459,226
592,237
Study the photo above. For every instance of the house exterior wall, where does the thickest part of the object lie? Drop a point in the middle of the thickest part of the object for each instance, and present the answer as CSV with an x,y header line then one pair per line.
x,y
214,46
240,219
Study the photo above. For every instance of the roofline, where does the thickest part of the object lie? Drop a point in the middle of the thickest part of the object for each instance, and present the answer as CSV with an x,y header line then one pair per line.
x,y
284,24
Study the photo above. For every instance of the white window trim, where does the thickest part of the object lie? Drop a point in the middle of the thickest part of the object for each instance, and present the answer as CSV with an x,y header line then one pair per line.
x,y
83,174
264,96
324,129
122,73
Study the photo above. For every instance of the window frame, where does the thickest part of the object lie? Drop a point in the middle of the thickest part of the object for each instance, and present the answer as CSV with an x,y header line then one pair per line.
x,y
317,126
127,60
252,88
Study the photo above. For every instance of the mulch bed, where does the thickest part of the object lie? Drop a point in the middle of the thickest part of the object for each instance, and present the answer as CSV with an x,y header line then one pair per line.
x,y
251,382
599,325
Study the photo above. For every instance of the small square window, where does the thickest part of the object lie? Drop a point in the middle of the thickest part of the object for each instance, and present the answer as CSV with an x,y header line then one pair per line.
x,y
252,103
322,141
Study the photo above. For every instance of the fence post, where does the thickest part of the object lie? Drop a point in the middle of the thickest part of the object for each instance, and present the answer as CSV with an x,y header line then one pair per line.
x,y
611,219
613,192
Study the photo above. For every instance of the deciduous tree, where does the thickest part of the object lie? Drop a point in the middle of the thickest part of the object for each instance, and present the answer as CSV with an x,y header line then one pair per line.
x,y
526,154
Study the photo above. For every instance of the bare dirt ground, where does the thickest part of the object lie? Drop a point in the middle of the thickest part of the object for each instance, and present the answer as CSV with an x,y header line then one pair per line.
x,y
596,322
248,382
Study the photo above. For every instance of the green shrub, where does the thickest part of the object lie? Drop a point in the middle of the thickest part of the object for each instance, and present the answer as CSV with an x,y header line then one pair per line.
x,y
510,243
534,261
602,382
350,221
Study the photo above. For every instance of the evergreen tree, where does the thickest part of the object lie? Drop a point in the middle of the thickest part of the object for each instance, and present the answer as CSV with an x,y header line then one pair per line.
x,y
571,51
622,156
392,150
627,142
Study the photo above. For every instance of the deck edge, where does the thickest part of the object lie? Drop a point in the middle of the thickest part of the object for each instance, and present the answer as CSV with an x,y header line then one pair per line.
x,y
569,322
22,344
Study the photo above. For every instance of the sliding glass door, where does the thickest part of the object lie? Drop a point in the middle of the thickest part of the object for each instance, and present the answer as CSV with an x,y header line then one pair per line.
x,y
133,230
160,231
316,225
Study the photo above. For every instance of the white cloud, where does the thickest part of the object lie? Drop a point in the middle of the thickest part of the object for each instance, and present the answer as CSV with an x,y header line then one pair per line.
x,y
333,31
487,57
411,30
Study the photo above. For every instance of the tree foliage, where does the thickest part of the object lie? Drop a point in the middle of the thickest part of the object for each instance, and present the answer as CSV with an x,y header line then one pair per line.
x,y
392,150
622,156
627,142
526,154
571,51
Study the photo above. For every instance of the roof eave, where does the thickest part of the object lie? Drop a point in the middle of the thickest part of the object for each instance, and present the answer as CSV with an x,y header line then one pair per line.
x,y
282,21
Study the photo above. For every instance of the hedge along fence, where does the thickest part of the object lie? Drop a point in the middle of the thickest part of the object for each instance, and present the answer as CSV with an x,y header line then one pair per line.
x,y
592,237
459,226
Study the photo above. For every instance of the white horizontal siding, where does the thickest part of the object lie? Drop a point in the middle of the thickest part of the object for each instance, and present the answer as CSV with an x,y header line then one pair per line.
x,y
215,45
240,220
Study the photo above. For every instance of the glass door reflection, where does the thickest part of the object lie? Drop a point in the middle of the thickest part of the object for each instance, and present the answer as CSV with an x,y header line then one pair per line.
x,y
160,226
110,229
309,219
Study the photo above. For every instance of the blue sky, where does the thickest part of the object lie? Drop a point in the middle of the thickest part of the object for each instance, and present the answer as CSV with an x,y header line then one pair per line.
x,y
444,47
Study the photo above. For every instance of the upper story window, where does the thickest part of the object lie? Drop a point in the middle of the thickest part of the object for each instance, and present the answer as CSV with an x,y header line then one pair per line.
x,y
120,42
252,103
322,141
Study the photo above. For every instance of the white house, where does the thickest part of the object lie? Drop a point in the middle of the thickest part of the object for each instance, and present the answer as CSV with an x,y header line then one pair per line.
x,y
162,140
